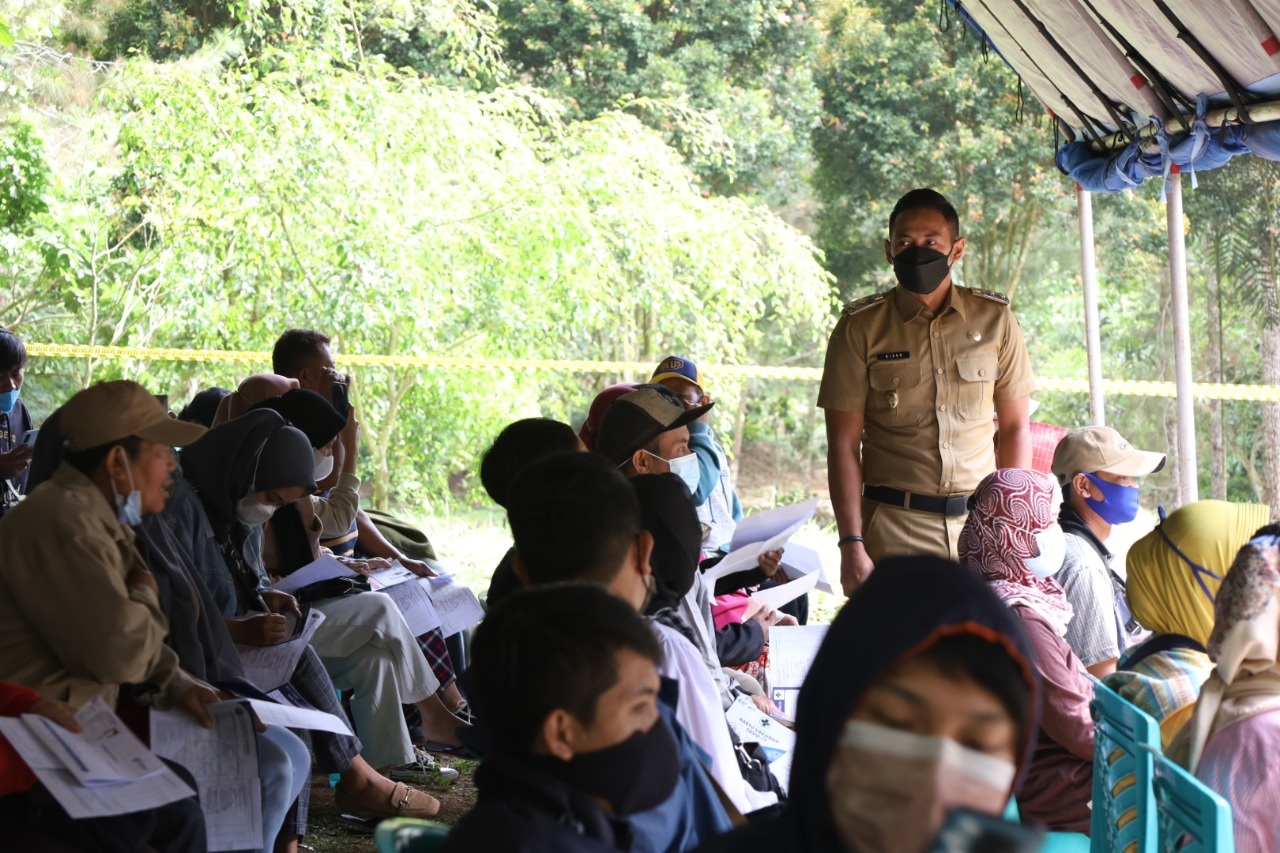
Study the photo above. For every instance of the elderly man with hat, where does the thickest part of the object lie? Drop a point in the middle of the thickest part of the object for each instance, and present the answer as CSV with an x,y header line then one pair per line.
x,y
79,614
1098,471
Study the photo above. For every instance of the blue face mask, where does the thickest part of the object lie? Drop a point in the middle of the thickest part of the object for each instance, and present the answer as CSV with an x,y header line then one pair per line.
x,y
128,507
8,400
1119,504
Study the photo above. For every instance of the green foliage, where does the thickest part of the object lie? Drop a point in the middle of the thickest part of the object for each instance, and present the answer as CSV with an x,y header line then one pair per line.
x,y
403,217
744,64
24,176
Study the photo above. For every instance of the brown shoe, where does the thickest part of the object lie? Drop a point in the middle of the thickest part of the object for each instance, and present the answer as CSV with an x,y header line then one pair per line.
x,y
402,802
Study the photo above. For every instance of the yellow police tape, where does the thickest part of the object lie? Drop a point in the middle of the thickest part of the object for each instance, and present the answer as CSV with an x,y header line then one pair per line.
x,y
1124,387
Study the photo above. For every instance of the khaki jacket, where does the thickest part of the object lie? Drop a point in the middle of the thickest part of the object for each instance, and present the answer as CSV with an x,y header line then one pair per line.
x,y
70,627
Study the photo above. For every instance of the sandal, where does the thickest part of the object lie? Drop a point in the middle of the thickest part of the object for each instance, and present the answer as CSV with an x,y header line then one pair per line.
x,y
402,802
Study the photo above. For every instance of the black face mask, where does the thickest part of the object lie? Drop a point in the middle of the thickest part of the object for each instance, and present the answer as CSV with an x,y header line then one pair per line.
x,y
920,269
633,776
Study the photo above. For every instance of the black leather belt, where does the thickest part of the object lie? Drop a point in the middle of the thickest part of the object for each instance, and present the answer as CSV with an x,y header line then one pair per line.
x,y
952,505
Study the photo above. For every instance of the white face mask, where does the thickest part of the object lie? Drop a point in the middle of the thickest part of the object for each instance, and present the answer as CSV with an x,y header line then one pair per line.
x,y
890,790
684,467
323,463
128,507
251,513
1053,549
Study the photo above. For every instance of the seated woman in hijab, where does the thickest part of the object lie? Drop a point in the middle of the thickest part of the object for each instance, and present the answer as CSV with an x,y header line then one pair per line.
x,y
921,700
1234,734
1013,541
291,541
1173,577
234,479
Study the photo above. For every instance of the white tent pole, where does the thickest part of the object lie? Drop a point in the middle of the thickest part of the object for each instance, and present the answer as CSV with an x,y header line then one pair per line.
x,y
1187,469
1089,278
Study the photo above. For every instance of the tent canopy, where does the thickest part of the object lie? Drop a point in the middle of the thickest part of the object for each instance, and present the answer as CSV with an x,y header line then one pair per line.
x,y
1144,84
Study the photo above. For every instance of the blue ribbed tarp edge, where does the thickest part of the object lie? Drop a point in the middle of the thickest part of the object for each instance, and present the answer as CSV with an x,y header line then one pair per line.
x,y
1197,149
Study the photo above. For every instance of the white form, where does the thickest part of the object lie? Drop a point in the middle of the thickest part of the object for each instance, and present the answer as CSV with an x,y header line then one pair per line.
x,y
776,596
151,791
802,560
224,762
292,717
760,533
456,605
321,570
411,593
792,649
752,725
267,667
104,753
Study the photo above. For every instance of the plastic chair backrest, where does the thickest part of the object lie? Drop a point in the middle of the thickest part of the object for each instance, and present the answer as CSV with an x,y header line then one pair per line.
x,y
1192,817
1127,739
408,835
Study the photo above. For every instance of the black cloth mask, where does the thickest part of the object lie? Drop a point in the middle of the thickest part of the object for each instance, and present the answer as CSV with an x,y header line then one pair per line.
x,y
633,776
920,269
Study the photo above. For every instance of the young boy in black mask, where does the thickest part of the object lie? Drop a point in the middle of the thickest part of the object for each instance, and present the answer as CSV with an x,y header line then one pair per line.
x,y
567,678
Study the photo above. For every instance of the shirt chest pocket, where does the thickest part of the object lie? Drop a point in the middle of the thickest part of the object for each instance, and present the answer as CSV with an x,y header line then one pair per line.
x,y
899,392
977,385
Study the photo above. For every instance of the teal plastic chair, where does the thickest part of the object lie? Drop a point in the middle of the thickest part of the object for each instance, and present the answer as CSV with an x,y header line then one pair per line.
x,y
1126,742
409,835
1192,818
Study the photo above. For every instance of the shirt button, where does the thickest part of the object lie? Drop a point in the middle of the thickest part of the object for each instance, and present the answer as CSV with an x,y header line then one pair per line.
x,y
945,445
982,373
946,484
942,408
939,371
896,380
936,335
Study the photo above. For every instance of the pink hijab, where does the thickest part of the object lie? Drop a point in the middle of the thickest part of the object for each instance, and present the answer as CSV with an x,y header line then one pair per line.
x,y
255,389
1009,507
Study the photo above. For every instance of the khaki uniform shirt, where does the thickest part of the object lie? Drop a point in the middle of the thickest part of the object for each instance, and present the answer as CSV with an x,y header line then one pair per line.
x,y
70,628
927,385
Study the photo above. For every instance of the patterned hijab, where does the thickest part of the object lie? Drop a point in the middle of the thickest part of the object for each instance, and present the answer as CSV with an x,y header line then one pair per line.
x,y
1009,507
1244,645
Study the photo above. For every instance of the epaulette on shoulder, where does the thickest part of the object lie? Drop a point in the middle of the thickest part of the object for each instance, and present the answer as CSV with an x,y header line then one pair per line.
x,y
863,304
990,294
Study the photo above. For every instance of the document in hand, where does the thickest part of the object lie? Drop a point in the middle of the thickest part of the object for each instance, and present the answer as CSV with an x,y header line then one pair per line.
x,y
320,570
760,533
792,649
267,667
800,560
102,771
752,725
224,762
776,596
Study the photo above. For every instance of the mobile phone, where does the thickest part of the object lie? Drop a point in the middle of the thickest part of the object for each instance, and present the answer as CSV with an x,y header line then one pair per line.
x,y
340,400
29,437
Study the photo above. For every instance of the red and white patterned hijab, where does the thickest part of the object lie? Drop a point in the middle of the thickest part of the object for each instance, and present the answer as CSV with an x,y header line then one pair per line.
x,y
1009,507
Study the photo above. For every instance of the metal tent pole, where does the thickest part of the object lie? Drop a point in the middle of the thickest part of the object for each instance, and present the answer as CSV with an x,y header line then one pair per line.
x,y
1092,326
1188,490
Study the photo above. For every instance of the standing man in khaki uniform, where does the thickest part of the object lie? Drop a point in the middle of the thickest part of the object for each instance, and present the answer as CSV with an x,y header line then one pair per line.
x,y
911,378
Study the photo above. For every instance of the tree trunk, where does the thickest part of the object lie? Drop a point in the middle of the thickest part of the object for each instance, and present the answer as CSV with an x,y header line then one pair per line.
x,y
1217,442
1271,410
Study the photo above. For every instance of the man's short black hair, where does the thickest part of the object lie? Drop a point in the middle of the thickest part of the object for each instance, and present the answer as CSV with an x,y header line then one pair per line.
x,y
554,647
13,353
520,443
926,199
573,517
295,349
